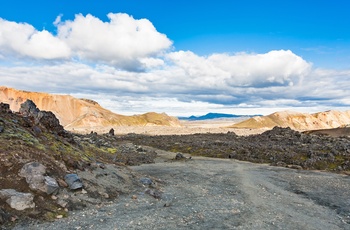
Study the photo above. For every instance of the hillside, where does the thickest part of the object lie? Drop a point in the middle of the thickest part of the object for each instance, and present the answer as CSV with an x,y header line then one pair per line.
x,y
81,113
47,173
298,121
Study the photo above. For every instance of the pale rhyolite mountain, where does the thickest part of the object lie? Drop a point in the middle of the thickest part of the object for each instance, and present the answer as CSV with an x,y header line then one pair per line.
x,y
298,121
78,113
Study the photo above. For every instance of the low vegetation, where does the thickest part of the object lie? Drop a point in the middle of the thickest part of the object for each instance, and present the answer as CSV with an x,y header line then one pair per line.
x,y
279,146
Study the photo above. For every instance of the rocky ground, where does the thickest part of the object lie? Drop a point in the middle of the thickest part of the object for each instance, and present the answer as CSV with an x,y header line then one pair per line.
x,y
208,193
37,155
117,185
279,146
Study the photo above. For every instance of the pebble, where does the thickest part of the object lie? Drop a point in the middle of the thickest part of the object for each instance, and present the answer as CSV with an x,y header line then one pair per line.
x,y
59,216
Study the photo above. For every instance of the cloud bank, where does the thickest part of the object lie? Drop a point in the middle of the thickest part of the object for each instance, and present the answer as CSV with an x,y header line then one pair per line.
x,y
130,67
122,42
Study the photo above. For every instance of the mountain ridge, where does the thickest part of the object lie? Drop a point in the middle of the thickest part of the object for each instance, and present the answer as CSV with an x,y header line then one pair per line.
x,y
298,121
81,113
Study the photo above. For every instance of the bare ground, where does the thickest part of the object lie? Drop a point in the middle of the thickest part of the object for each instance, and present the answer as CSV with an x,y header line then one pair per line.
x,y
207,193
187,127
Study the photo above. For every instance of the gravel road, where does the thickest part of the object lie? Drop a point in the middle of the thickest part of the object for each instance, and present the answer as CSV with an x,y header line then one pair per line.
x,y
206,193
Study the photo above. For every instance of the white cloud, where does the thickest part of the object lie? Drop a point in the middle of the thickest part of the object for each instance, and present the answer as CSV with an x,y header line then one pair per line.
x,y
179,82
24,40
276,67
122,41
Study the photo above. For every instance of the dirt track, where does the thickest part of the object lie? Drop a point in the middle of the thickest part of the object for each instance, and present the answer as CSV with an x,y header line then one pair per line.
x,y
206,193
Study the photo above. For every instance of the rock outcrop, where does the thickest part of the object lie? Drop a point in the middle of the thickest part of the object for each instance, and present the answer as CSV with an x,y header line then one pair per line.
x,y
298,121
44,118
76,113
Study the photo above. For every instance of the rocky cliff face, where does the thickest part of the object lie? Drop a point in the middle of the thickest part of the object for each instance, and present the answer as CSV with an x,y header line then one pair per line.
x,y
299,121
81,113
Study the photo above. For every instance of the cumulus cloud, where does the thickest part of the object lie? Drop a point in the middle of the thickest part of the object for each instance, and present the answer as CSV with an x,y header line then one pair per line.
x,y
22,39
96,58
279,67
123,41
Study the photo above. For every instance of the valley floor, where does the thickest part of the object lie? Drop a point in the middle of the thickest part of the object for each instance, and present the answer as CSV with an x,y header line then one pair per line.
x,y
207,193
187,127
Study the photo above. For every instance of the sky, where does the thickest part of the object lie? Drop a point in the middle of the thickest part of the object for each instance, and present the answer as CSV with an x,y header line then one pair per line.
x,y
181,57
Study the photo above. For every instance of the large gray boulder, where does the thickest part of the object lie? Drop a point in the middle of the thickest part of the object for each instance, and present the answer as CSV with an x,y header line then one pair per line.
x,y
34,173
17,200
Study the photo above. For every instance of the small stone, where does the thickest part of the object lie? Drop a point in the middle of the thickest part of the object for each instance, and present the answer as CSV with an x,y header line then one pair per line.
x,y
59,216
73,181
62,203
62,183
54,197
83,191
134,197
179,156
146,181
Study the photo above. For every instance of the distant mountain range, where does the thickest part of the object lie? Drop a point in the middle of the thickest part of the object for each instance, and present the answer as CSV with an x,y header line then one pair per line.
x,y
209,116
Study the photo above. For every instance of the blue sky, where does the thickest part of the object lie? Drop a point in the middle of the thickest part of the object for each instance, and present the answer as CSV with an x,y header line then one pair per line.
x,y
212,56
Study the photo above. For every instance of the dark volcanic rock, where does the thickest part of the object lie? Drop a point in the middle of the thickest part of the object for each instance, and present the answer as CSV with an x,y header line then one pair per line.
x,y
279,146
111,132
4,108
28,108
73,181
43,118
4,217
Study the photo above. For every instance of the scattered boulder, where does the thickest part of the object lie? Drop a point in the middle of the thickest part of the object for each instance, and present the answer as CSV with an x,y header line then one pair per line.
x,y
111,132
73,181
51,185
1,129
146,181
5,108
179,156
34,174
17,200
154,193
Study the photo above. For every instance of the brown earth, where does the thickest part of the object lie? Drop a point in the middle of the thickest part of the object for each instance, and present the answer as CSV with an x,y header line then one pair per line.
x,y
84,114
